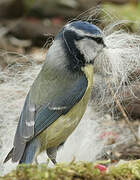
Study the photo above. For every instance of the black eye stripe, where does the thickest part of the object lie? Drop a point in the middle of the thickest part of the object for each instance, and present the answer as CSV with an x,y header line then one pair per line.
x,y
99,40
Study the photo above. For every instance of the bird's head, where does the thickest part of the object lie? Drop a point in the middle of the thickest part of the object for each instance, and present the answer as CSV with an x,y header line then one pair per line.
x,y
82,43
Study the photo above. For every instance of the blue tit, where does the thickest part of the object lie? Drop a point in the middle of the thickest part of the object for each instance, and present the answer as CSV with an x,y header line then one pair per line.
x,y
59,95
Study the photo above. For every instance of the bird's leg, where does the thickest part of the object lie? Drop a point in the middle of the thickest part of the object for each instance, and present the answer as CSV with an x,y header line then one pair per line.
x,y
53,161
36,161
52,152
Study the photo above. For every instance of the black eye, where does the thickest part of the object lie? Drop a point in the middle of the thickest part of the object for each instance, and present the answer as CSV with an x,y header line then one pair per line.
x,y
99,40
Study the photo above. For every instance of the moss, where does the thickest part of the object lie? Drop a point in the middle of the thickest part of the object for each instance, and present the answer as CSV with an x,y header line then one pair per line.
x,y
123,12
75,171
128,170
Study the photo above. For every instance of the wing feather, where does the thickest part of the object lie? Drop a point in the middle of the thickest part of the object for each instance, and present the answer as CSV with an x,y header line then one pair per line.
x,y
34,120
46,116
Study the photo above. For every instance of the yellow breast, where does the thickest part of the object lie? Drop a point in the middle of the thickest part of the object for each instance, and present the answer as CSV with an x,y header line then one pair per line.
x,y
64,125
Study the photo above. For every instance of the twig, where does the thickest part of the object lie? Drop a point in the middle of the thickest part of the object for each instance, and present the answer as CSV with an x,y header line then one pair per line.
x,y
124,114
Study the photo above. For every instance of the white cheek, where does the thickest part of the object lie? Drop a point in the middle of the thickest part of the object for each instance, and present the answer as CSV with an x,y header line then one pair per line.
x,y
88,48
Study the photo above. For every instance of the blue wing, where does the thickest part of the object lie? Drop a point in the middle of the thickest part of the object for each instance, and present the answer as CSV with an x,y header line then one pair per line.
x,y
45,116
34,120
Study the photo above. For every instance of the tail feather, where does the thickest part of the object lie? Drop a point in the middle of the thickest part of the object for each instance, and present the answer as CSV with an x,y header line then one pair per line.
x,y
9,156
30,152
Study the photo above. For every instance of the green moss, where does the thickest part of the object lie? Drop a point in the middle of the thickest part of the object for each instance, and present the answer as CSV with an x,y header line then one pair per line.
x,y
129,170
75,171
123,12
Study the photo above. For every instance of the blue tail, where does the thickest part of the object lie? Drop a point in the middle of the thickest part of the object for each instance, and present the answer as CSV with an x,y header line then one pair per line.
x,y
30,151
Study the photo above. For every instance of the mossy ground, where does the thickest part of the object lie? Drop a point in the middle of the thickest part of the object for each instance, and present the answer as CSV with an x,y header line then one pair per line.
x,y
76,171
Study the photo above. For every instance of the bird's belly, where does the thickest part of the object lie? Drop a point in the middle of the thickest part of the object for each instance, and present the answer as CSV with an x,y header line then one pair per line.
x,y
59,131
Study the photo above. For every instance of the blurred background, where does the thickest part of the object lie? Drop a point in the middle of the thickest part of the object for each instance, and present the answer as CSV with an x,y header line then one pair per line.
x,y
31,19
27,29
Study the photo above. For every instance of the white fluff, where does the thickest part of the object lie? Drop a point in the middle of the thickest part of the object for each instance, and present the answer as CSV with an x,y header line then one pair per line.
x,y
115,64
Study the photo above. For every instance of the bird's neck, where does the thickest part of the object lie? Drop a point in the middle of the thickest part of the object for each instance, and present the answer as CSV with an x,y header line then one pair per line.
x,y
88,71
75,58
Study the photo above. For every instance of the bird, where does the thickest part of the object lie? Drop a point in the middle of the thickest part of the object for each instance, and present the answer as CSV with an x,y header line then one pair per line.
x,y
59,95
